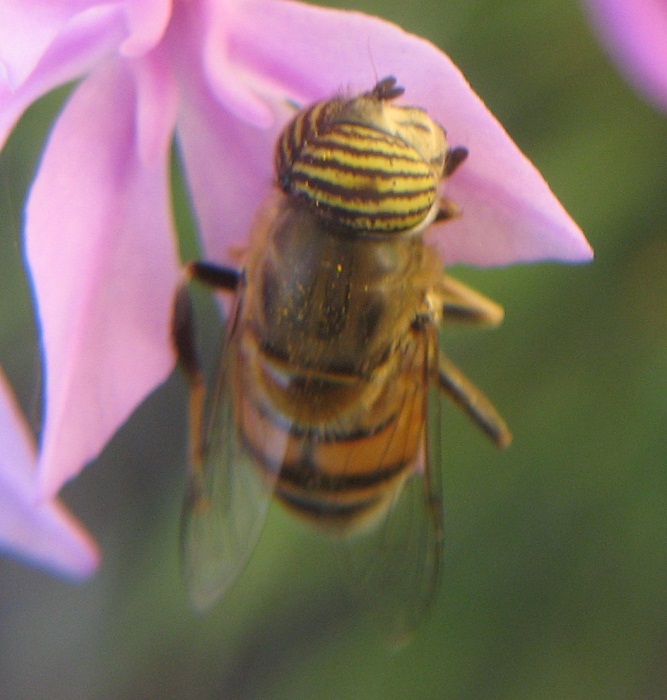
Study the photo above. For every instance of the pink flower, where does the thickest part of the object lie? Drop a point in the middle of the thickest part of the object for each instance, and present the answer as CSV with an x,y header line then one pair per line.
x,y
635,33
221,75
43,533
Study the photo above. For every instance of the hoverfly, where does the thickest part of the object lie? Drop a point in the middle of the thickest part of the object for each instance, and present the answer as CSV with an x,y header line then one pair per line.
x,y
331,349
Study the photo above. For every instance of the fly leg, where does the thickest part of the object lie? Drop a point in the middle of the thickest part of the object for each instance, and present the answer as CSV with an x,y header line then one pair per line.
x,y
225,279
449,209
473,401
454,158
462,304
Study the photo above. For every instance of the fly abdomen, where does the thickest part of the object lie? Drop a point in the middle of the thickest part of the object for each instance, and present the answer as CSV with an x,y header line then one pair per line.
x,y
338,445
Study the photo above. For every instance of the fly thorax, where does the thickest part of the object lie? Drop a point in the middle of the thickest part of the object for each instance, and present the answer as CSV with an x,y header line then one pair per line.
x,y
331,299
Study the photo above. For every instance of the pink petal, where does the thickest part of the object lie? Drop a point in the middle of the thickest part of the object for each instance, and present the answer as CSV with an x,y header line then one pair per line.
x,y
229,79
102,254
510,214
229,167
148,20
44,533
635,32
56,53
156,108
27,28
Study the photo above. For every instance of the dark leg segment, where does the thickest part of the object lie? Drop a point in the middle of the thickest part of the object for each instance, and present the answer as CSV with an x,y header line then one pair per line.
x,y
448,210
183,337
217,276
473,401
454,158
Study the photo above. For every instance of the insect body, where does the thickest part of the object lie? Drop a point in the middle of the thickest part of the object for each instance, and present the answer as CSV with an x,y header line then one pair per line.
x,y
332,347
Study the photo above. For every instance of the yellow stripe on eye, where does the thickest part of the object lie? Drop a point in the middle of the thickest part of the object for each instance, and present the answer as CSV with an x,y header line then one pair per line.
x,y
363,161
359,198
384,215
331,178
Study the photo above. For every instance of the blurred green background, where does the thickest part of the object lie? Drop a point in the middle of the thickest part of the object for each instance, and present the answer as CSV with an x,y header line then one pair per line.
x,y
555,581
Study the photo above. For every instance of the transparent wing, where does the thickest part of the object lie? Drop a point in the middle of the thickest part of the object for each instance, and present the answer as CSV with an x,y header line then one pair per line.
x,y
420,507
398,562
228,496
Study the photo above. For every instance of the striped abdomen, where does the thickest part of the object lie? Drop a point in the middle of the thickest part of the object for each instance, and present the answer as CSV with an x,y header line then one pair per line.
x,y
340,445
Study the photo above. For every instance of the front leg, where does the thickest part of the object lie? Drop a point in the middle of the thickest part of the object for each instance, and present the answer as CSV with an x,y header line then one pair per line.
x,y
448,209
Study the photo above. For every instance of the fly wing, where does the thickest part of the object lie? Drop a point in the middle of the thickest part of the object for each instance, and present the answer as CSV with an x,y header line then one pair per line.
x,y
419,515
227,497
400,558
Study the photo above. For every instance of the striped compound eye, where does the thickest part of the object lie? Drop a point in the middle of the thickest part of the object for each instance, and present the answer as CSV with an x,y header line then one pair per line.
x,y
364,163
